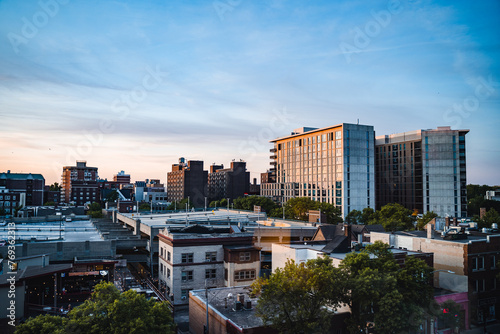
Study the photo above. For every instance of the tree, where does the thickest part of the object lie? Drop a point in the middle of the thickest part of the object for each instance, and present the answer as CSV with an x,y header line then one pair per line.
x,y
333,213
95,210
394,217
491,216
180,205
353,217
379,291
248,203
55,187
112,196
107,311
301,297
144,207
368,215
427,217
49,203
43,324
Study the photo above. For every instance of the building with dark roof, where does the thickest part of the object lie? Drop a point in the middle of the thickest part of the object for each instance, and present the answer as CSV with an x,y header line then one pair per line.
x,y
29,186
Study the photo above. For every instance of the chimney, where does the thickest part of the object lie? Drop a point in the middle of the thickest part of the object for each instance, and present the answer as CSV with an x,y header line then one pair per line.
x,y
430,230
482,212
447,223
455,221
347,231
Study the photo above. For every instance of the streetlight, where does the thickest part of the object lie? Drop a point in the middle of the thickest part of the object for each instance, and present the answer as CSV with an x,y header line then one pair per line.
x,y
443,270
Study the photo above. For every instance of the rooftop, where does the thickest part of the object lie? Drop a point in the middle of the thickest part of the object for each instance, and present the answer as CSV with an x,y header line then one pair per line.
x,y
82,230
21,176
222,300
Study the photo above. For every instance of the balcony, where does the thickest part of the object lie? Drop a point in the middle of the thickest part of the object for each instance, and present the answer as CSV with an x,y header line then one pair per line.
x,y
273,150
273,157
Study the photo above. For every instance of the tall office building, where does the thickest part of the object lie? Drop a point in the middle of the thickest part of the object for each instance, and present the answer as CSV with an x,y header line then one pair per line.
x,y
229,183
79,184
423,170
334,164
187,180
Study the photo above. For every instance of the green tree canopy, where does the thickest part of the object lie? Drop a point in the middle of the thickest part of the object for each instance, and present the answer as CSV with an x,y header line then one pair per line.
x,y
112,196
248,202
180,205
491,216
353,217
144,207
43,324
301,297
394,217
95,210
381,292
55,187
107,311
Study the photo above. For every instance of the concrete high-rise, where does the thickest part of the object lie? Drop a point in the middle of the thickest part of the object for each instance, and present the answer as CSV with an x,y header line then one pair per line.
x,y
334,164
423,170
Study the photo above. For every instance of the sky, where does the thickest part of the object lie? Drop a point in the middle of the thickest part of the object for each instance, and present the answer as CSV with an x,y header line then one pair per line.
x,y
134,85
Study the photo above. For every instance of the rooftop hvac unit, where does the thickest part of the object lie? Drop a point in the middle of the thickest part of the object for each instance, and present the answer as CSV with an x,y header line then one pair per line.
x,y
238,306
241,298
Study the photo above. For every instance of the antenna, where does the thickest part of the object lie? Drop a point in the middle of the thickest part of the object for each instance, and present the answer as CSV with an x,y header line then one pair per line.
x,y
358,121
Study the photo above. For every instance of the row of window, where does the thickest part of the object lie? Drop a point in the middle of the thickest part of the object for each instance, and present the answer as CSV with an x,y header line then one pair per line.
x,y
480,285
478,262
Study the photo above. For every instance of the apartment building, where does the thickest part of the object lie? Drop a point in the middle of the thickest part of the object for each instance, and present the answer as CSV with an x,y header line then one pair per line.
x,y
230,182
30,187
187,180
334,164
79,184
195,255
423,170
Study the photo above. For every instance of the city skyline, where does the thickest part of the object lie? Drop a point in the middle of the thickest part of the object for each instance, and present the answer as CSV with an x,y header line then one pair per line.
x,y
133,86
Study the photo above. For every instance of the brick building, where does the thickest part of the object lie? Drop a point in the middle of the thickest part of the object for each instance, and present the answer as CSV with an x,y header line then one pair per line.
x,y
29,186
187,180
472,259
229,183
79,184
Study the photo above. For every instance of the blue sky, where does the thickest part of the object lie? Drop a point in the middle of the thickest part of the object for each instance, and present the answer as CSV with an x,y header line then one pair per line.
x,y
134,85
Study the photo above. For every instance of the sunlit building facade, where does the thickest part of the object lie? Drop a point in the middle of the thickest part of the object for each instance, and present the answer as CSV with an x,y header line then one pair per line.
x,y
334,165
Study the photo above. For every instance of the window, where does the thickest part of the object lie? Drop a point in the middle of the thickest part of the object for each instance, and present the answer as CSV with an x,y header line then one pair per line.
x,y
168,272
168,256
187,258
211,256
478,263
244,275
210,273
244,256
187,276
493,262
479,285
